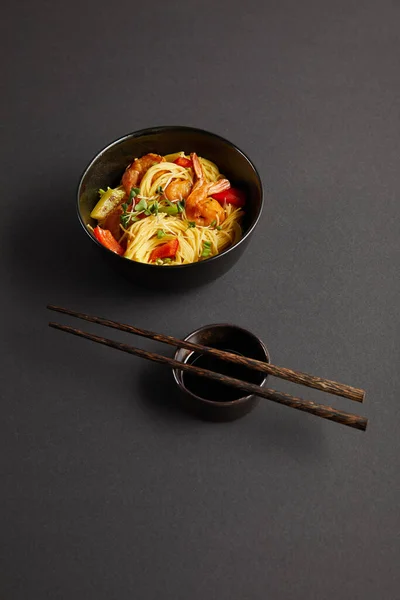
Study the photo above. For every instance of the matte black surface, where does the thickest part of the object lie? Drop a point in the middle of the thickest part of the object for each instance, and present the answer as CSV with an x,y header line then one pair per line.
x,y
107,491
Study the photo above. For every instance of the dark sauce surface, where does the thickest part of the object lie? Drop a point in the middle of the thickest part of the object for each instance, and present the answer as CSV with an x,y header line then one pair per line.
x,y
213,390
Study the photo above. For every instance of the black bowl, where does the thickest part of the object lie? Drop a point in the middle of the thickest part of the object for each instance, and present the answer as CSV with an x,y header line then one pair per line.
x,y
211,400
108,166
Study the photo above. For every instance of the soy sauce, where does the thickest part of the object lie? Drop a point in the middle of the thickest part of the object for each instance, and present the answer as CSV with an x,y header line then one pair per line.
x,y
214,390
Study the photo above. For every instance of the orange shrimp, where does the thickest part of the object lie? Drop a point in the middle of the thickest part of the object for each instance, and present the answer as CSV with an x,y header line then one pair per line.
x,y
134,172
177,189
200,208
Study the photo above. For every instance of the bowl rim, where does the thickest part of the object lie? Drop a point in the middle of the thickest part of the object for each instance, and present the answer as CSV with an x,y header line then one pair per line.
x,y
215,403
159,129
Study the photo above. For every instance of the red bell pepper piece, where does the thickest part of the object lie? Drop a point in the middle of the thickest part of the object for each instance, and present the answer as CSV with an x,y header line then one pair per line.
x,y
183,162
167,250
106,238
231,196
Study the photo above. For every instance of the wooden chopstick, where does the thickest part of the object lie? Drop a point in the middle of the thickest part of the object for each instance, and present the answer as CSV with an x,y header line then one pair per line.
x,y
326,385
326,412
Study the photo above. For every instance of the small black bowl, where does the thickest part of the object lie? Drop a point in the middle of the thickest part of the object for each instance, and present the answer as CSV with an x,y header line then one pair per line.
x,y
108,165
211,400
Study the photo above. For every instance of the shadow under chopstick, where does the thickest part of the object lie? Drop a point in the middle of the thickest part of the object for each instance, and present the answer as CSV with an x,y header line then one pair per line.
x,y
267,425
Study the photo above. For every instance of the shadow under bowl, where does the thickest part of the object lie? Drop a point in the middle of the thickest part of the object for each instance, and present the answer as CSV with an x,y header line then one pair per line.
x,y
107,167
212,400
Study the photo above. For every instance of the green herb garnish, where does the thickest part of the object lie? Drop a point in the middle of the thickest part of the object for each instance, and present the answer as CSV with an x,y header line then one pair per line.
x,y
124,218
141,205
159,190
127,218
180,205
191,223
160,233
206,249
133,193
218,227
213,223
152,209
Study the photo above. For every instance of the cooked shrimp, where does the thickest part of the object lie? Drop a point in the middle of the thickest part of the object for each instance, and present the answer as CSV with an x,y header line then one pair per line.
x,y
200,208
178,189
208,211
134,173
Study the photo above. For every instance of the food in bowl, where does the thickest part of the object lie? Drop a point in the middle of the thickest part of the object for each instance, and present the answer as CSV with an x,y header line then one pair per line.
x,y
174,209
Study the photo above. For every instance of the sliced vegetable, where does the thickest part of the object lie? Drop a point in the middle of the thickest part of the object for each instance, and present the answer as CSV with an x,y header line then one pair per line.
x,y
174,156
169,210
167,250
105,237
160,233
206,249
109,200
231,196
163,261
183,162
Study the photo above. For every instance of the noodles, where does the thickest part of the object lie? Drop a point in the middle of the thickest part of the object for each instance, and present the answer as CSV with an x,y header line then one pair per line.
x,y
142,237
160,175
182,211
211,170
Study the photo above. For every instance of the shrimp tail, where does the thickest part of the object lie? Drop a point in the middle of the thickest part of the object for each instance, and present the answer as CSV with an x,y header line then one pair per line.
x,y
197,166
219,186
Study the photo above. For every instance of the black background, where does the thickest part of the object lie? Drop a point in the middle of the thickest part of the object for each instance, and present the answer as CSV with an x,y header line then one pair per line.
x,y
108,491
